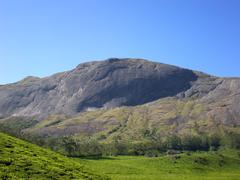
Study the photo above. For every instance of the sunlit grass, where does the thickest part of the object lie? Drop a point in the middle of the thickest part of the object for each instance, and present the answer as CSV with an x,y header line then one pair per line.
x,y
199,165
22,160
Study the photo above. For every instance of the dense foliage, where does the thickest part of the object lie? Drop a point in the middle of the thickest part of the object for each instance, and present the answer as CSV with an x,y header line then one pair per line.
x,y
149,142
87,146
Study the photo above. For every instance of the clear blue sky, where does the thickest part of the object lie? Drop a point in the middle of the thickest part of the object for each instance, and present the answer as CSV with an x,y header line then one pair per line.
x,y
41,37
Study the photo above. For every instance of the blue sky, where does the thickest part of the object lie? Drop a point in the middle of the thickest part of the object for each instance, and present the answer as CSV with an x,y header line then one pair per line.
x,y
42,37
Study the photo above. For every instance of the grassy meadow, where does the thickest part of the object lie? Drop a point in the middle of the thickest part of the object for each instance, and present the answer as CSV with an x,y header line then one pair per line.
x,y
219,165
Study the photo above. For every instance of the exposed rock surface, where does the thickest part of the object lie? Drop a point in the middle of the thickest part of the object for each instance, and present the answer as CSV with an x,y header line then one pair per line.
x,y
111,83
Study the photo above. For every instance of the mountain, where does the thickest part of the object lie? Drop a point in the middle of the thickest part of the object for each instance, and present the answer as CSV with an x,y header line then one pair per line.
x,y
22,160
106,84
121,97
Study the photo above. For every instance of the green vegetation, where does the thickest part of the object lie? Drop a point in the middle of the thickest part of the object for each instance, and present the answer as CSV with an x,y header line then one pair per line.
x,y
149,129
143,134
220,165
74,146
22,160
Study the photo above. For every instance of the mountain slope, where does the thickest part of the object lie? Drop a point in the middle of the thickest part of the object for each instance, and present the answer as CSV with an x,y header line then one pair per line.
x,y
22,160
163,118
128,99
110,83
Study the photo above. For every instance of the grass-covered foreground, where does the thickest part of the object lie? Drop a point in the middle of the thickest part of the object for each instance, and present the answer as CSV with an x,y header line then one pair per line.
x,y
204,165
22,160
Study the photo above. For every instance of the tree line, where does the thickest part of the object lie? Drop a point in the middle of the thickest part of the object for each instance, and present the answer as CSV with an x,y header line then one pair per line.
x,y
77,147
153,146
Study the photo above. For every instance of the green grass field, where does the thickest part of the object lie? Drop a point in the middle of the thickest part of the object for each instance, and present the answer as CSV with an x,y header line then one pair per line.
x,y
22,160
204,165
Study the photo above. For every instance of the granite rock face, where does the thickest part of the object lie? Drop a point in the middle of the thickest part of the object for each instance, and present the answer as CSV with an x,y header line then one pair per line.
x,y
111,83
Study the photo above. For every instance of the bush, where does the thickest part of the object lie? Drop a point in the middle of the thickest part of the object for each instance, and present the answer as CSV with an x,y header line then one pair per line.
x,y
215,142
192,143
174,142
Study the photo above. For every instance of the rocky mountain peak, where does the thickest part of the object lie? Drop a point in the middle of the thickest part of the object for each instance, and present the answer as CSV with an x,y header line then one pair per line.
x,y
98,84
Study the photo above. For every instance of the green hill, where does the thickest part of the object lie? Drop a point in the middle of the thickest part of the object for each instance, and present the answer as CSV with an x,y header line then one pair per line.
x,y
22,160
168,123
160,118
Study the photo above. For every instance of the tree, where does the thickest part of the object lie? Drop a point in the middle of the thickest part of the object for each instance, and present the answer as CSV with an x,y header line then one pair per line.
x,y
174,142
232,140
214,142
70,145
192,143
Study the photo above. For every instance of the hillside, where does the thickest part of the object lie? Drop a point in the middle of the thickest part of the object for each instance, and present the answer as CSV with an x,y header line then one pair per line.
x,y
165,116
22,160
124,100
